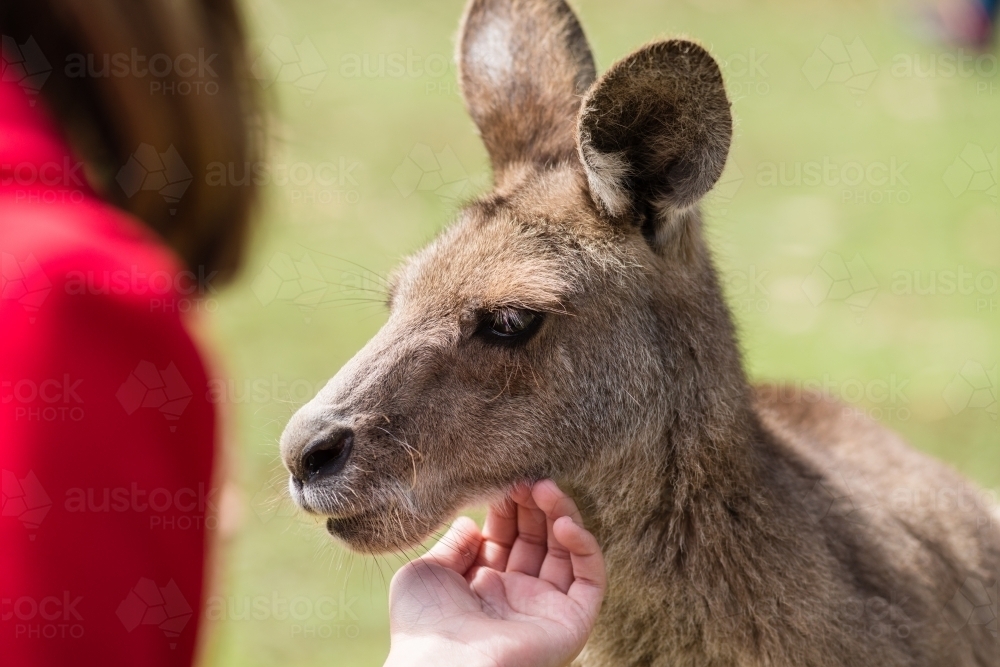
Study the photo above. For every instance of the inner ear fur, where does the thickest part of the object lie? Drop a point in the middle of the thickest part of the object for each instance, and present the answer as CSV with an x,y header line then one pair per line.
x,y
524,66
654,131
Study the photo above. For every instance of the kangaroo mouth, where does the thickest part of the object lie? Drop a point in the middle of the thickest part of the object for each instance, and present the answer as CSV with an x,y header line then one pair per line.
x,y
347,528
366,522
393,525
380,530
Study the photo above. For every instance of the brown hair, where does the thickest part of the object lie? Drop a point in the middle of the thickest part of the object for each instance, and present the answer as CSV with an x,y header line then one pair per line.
x,y
109,101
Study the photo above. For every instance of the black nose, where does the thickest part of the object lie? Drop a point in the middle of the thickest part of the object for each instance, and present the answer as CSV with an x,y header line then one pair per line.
x,y
326,456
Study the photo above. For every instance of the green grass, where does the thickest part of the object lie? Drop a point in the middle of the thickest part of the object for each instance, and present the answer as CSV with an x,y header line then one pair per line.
x,y
769,239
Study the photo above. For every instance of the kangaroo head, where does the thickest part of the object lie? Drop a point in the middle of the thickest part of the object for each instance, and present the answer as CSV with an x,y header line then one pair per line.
x,y
551,324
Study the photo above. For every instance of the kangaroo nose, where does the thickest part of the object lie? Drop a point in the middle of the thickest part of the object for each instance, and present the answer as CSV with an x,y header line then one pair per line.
x,y
325,456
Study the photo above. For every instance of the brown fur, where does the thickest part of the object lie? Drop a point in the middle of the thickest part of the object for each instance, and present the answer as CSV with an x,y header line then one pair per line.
x,y
523,66
740,526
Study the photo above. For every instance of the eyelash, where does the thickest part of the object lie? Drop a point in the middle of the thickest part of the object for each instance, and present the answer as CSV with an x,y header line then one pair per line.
x,y
509,326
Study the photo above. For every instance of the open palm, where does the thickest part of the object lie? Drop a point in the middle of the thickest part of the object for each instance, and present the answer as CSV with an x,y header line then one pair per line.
x,y
524,591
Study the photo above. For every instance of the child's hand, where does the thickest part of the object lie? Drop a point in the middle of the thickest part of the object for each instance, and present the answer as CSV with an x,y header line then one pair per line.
x,y
524,592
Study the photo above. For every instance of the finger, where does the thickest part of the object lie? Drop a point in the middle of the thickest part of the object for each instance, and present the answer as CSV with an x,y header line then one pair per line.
x,y
589,575
557,568
499,533
550,499
458,548
528,551
521,493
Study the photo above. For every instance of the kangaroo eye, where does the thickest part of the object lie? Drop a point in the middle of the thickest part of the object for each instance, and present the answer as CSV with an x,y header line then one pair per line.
x,y
510,321
509,325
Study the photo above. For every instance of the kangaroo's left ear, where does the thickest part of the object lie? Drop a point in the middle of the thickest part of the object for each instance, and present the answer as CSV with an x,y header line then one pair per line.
x,y
654,133
524,66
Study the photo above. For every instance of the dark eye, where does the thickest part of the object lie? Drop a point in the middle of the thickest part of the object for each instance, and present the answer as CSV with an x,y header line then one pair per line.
x,y
509,325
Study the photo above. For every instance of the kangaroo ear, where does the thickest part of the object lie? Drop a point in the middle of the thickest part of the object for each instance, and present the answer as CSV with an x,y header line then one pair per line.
x,y
524,66
654,133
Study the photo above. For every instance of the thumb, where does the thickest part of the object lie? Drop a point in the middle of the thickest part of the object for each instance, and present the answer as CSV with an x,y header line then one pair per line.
x,y
458,549
589,576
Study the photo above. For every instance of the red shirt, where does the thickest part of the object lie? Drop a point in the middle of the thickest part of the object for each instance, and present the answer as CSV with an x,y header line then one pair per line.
x,y
106,429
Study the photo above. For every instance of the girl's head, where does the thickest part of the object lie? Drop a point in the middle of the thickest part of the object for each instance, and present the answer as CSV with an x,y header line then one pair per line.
x,y
156,76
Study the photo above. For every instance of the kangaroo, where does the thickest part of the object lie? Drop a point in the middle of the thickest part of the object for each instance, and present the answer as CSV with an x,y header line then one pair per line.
x,y
570,324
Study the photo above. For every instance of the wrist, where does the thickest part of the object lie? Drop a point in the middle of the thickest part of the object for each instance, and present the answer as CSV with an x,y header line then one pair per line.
x,y
422,651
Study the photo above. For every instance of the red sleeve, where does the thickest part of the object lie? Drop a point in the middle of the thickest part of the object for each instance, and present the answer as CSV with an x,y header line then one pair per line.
x,y
106,440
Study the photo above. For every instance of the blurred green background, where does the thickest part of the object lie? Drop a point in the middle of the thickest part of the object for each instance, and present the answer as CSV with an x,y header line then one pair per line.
x,y
856,226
